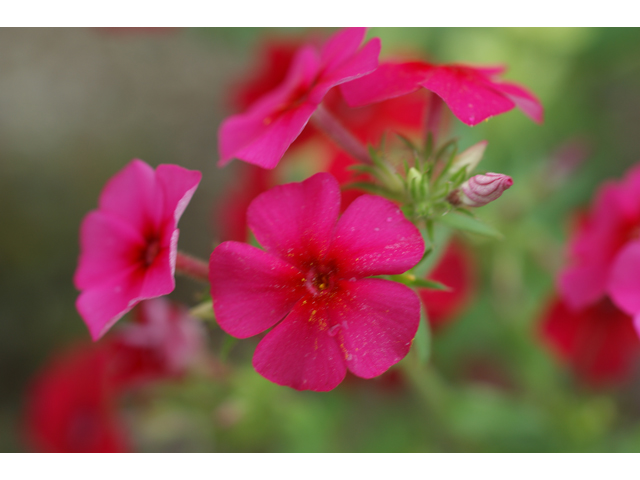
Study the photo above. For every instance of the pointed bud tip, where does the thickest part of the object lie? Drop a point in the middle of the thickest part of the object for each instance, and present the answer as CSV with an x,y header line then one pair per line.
x,y
480,190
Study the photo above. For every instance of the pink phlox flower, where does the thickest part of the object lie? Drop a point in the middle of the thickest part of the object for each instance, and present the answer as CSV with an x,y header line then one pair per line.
x,y
263,133
472,93
163,342
605,253
310,285
128,246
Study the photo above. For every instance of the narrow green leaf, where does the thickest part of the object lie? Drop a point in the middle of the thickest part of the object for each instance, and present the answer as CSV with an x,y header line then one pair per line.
x,y
469,224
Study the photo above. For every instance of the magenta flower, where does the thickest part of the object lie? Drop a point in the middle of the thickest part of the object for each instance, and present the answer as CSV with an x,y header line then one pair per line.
x,y
472,93
262,134
128,247
480,190
310,285
606,250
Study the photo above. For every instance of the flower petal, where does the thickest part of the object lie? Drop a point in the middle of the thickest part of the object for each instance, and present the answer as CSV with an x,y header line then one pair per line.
x,y
467,93
525,100
624,281
251,289
134,195
299,352
159,278
378,320
360,64
275,121
295,221
179,185
109,246
263,141
583,284
389,80
102,305
341,46
374,238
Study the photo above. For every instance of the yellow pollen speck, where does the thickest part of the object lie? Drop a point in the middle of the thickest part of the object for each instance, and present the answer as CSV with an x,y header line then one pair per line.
x,y
313,312
322,286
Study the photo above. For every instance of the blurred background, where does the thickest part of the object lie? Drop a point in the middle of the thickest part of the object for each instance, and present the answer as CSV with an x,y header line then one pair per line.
x,y
76,105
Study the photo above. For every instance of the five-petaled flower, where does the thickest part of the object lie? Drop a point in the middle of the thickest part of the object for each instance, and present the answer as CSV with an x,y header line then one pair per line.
x,y
472,93
606,251
128,247
263,133
310,285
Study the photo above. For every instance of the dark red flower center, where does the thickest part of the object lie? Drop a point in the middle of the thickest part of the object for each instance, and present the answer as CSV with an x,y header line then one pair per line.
x,y
152,251
320,279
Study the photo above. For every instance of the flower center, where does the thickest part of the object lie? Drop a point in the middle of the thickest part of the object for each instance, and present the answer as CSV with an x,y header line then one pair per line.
x,y
320,279
150,254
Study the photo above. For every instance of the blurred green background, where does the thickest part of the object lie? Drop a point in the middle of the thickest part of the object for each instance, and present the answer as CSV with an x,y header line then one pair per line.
x,y
77,104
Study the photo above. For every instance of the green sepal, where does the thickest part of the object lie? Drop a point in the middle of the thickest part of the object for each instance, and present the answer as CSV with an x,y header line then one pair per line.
x,y
470,224
430,284
410,280
422,340
374,189
204,311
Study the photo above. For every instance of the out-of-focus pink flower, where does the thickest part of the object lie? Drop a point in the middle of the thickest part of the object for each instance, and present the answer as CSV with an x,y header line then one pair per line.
x,y
598,342
71,405
263,134
472,93
310,285
480,190
456,270
128,247
605,253
231,214
161,344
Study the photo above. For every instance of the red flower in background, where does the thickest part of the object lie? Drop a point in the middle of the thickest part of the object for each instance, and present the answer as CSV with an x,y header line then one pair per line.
x,y
456,270
598,342
71,404
263,133
605,253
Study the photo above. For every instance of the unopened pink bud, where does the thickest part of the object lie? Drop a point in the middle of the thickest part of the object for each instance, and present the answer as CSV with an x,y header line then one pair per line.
x,y
482,189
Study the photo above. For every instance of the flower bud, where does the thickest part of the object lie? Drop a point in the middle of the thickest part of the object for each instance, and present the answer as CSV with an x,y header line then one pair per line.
x,y
482,189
